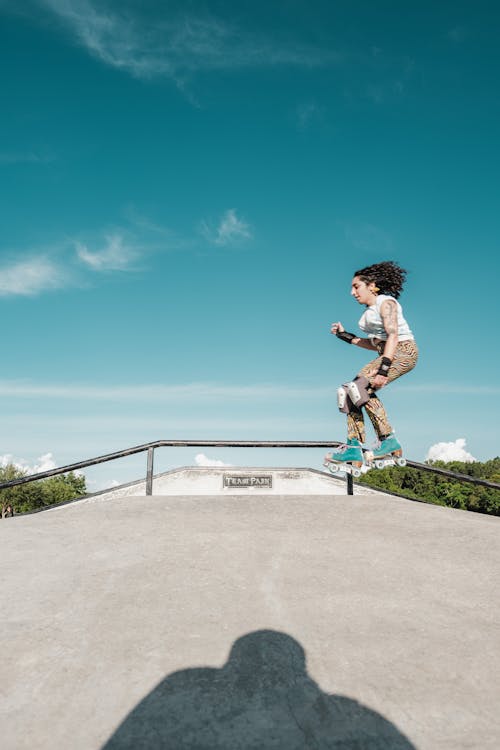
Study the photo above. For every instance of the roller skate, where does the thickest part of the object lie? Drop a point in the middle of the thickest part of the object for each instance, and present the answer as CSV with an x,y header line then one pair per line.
x,y
387,453
347,458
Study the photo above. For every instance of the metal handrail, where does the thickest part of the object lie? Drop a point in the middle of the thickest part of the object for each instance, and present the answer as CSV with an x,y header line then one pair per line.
x,y
168,444
150,448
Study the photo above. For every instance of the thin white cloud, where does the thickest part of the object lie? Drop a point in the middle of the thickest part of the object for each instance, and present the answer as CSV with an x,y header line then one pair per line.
x,y
375,92
451,389
115,256
368,237
32,276
307,113
189,392
155,236
175,46
125,428
202,460
143,222
27,157
453,451
457,34
46,270
160,393
231,229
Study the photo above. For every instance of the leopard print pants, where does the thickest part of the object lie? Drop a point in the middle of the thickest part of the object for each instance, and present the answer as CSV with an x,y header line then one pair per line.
x,y
405,359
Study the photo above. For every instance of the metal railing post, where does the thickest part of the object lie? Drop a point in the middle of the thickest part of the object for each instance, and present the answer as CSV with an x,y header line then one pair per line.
x,y
149,475
350,483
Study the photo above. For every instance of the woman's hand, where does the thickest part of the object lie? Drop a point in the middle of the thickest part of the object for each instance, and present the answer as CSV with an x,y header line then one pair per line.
x,y
378,381
337,328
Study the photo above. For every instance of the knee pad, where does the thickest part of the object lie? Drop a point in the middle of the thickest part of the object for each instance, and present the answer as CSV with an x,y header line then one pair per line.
x,y
343,401
359,390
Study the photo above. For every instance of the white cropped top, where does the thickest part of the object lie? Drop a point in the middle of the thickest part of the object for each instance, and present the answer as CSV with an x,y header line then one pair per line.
x,y
371,321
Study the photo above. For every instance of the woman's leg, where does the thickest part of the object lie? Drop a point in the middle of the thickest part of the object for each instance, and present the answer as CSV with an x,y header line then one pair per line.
x,y
378,417
356,425
405,359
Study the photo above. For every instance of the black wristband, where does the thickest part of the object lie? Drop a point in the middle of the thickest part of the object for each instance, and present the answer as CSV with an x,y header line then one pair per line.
x,y
345,336
384,366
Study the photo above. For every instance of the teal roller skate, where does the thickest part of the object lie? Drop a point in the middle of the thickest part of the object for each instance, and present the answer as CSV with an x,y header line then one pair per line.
x,y
347,458
387,453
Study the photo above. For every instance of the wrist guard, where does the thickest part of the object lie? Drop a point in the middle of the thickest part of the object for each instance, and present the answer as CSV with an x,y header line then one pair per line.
x,y
384,366
345,336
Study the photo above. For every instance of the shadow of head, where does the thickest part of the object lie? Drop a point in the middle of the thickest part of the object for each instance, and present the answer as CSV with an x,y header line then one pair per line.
x,y
262,698
265,660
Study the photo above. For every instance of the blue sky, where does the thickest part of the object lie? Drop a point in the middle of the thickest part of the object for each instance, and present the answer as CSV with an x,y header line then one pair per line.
x,y
186,189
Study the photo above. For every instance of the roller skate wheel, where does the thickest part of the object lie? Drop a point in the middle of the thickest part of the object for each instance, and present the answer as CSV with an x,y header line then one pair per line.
x,y
333,468
379,464
356,472
401,461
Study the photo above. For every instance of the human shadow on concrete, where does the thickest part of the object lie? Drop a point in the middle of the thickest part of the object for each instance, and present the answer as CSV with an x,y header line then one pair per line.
x,y
261,699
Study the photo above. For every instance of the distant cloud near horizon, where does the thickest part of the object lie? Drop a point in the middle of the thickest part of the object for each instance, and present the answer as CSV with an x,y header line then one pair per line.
x,y
160,392
202,460
453,451
43,463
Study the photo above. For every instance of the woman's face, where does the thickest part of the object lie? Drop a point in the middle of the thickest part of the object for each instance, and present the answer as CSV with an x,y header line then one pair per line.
x,y
362,291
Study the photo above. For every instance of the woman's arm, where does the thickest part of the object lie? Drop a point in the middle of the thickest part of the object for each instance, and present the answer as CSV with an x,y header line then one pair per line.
x,y
338,328
389,315
364,343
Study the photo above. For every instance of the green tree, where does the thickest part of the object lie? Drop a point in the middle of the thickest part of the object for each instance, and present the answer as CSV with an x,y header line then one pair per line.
x,y
41,493
435,488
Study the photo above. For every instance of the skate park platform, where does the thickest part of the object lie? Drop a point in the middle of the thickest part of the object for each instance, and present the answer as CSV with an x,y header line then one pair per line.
x,y
362,622
236,480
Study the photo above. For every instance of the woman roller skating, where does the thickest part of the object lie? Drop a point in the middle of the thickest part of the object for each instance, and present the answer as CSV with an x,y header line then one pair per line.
x,y
377,287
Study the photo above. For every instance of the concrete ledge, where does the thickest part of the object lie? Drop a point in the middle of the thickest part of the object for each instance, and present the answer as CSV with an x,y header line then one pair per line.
x,y
194,481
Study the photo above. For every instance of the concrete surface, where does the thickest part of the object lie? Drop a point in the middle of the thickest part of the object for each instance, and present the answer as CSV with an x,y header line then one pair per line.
x,y
365,622
210,481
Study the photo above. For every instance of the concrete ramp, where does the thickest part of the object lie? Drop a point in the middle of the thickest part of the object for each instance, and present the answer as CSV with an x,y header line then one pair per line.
x,y
363,622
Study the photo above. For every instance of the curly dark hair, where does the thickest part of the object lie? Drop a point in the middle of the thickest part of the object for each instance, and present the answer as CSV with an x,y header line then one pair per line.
x,y
388,276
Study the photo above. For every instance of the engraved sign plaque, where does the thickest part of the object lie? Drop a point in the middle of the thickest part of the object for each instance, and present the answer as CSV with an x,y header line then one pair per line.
x,y
243,481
